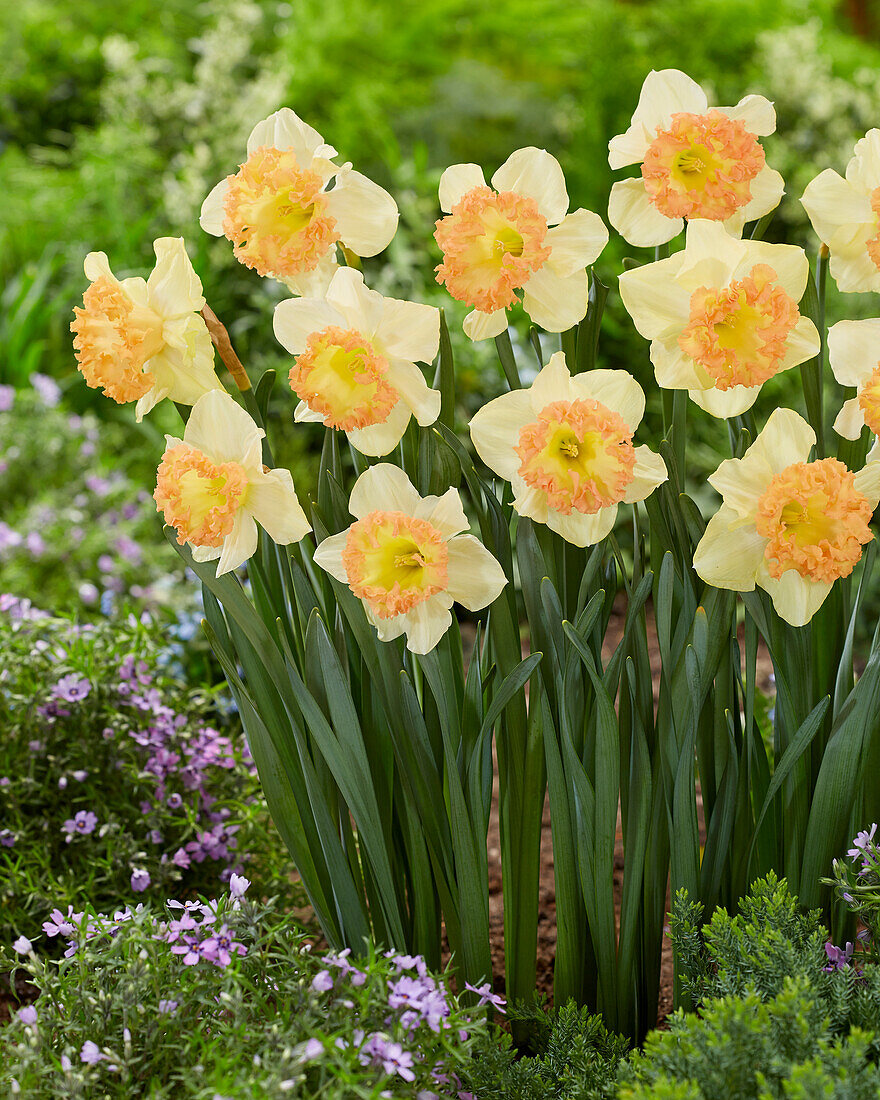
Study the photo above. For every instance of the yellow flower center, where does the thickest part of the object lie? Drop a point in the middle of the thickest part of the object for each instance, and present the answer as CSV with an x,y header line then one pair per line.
x,y
869,401
114,338
395,562
579,453
491,242
701,166
342,376
815,519
197,496
873,244
739,333
275,214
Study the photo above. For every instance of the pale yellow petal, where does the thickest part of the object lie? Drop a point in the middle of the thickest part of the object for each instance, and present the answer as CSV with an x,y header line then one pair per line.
x,y
730,553
616,390
854,350
482,326
802,344
767,189
867,482
673,370
381,439
212,213
864,168
240,544
366,215
659,307
409,330
853,269
97,266
636,218
495,431
785,438
328,556
538,175
284,129
426,623
796,600
445,512
756,113
475,577
295,320
725,403
456,181
174,287
552,383
302,414
576,242
831,203
580,529
414,391
790,263
648,472
664,93
555,302
385,488
850,420
361,307
273,503
221,429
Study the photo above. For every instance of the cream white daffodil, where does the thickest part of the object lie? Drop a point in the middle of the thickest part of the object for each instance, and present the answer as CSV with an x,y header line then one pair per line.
x,y
789,525
409,558
213,488
696,162
854,355
516,235
280,216
145,340
565,445
846,216
722,316
356,361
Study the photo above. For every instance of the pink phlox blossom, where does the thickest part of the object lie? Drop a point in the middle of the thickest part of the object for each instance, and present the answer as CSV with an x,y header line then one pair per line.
x,y
486,996
60,925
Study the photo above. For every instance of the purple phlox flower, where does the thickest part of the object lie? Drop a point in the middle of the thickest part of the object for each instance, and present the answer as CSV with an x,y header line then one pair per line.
x,y
83,822
154,836
421,995
391,1056
220,947
408,962
35,544
838,957
193,950
72,688
47,389
486,996
22,946
167,1008
322,981
339,960
27,1015
174,801
66,1063
100,486
862,842
91,1053
181,859
311,1049
140,880
128,549
5,781
80,775
7,838
61,925
7,398
238,885
88,593
180,929
36,746
8,539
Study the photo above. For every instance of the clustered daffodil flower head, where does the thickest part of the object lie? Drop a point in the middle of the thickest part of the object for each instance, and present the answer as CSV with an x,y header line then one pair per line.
x,y
854,355
791,526
356,361
213,488
144,340
282,216
408,558
516,235
696,162
565,445
722,316
845,213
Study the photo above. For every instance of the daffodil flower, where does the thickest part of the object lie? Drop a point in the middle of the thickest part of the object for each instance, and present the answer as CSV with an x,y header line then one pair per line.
x,y
696,162
409,558
356,361
516,235
846,216
565,445
854,355
789,525
722,316
212,486
145,340
280,216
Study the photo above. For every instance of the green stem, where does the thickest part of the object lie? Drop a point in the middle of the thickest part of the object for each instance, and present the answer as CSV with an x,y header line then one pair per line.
x,y
508,360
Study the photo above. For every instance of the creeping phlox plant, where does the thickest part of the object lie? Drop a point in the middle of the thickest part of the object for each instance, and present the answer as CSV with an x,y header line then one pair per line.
x,y
374,706
222,998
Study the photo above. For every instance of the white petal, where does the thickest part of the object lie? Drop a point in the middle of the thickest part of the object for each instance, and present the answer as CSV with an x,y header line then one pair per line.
x,y
725,403
409,330
580,529
383,488
495,431
636,218
302,414
555,302
664,93
730,553
552,383
186,373
529,502
212,213
853,270
387,629
864,168
149,401
426,624
802,344
831,203
538,175
456,181
445,512
221,429
315,283
328,556
475,577
295,320
785,438
867,482
576,241
240,544
366,215
205,553
97,266
850,420
659,307
381,439
480,326
361,307
174,287
796,600
673,370
410,383
616,390
854,350
286,130
767,189
756,113
648,472
790,263
711,255
272,501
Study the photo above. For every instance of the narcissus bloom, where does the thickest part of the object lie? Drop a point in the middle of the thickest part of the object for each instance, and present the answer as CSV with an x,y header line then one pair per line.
x,y
846,216
280,216
565,445
696,162
212,486
722,316
145,340
356,361
791,526
854,355
409,558
516,235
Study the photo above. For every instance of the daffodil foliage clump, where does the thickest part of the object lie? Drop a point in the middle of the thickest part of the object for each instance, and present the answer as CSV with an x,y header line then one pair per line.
x,y
373,716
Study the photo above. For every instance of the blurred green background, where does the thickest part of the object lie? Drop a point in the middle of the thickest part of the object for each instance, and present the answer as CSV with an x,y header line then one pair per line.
x,y
116,119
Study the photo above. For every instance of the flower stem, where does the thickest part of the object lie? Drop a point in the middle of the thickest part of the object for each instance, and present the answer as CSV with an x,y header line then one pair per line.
x,y
221,341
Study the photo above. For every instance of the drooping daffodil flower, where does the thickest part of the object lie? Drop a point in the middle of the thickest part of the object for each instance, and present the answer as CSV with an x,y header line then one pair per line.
x,y
854,356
